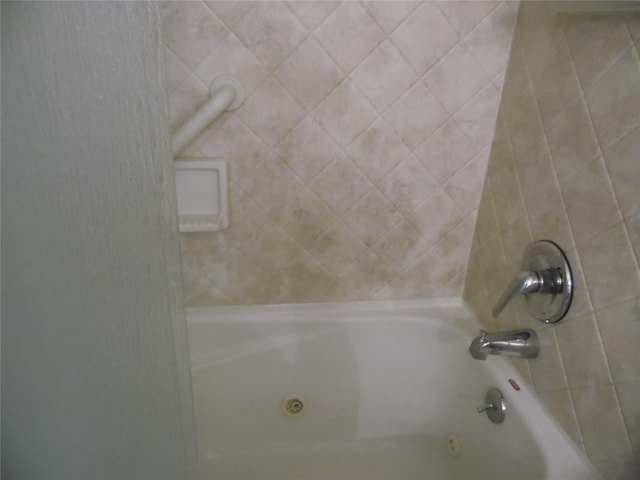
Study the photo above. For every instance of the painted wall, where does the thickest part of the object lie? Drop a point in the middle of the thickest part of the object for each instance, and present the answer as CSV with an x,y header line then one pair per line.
x,y
564,166
357,160
95,379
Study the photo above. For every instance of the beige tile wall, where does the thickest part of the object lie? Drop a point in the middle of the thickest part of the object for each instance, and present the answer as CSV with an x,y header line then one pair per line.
x,y
357,160
565,166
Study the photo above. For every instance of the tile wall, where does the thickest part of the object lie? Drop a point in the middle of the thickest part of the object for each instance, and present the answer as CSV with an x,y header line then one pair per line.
x,y
358,158
565,166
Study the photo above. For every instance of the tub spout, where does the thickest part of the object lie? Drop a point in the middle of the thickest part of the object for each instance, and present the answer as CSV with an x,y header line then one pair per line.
x,y
513,343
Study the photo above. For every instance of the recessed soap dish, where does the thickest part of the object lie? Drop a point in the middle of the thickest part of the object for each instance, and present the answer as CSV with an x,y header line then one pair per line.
x,y
201,188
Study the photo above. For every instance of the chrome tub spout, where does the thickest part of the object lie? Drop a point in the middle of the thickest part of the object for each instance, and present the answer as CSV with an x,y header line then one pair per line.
x,y
513,343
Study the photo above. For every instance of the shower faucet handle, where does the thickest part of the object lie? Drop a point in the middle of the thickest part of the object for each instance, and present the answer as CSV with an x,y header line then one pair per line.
x,y
545,273
544,281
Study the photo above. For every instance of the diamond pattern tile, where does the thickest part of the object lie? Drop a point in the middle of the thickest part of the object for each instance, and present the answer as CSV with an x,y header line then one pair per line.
x,y
390,14
349,34
349,160
312,14
271,32
456,78
378,150
271,112
383,76
416,115
341,184
309,73
429,29
190,30
231,57
345,113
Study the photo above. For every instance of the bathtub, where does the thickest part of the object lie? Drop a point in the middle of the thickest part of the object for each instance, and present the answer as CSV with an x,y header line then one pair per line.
x,y
371,390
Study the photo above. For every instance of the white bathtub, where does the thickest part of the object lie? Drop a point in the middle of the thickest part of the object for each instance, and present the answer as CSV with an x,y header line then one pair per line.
x,y
385,385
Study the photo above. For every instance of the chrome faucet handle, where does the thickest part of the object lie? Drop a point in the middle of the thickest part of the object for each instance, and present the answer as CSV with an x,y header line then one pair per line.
x,y
545,271
485,407
544,281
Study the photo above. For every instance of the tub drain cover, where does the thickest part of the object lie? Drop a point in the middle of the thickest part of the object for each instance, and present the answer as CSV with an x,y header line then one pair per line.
x,y
293,406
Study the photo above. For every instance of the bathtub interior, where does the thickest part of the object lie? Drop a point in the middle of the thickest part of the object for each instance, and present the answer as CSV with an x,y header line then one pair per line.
x,y
384,386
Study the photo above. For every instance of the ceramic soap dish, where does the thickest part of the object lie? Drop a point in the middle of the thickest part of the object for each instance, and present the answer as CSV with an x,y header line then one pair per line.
x,y
201,187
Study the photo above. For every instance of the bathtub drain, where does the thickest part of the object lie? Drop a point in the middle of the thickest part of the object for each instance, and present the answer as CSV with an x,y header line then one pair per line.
x,y
293,406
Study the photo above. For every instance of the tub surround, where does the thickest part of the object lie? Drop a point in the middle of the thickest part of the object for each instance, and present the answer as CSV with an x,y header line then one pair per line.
x,y
356,163
564,167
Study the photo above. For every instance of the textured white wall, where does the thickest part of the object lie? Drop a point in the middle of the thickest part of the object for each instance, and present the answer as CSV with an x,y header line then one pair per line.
x,y
94,363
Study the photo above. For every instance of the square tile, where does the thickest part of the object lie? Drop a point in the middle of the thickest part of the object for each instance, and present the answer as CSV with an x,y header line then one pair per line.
x,y
415,115
507,198
396,289
429,273
633,228
446,151
556,87
590,201
628,394
247,219
436,216
304,216
547,372
378,150
231,140
477,118
537,175
408,184
345,113
604,435
401,246
230,12
549,220
367,275
190,30
199,292
312,14
389,14
275,240
270,112
465,186
258,184
582,352
456,78
464,16
523,120
307,149
341,184
337,247
372,216
309,73
621,160
596,42
231,57
572,140
349,34
614,100
559,404
490,41
608,256
454,247
424,37
383,76
177,71
271,32
620,331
